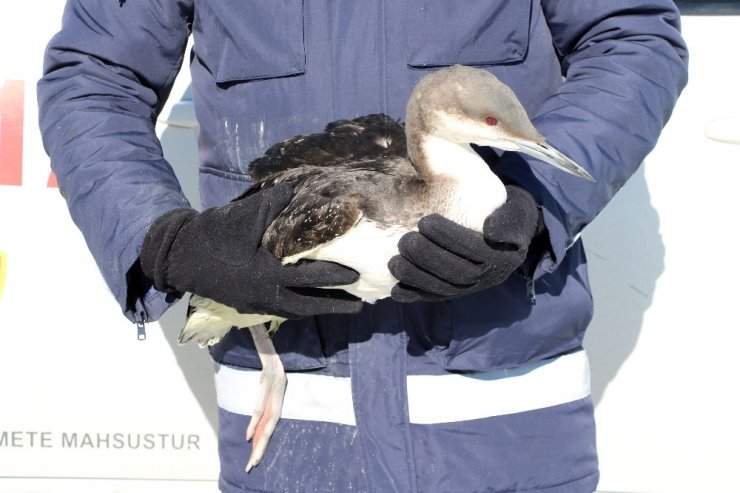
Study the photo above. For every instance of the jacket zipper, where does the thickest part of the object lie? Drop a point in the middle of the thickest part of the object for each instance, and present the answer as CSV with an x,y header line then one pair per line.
x,y
140,320
531,296
140,330
529,285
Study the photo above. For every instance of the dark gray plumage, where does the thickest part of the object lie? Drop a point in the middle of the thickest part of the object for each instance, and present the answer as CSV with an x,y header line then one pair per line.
x,y
353,169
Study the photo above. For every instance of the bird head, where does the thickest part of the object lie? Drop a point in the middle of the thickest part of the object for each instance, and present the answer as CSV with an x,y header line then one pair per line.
x,y
466,105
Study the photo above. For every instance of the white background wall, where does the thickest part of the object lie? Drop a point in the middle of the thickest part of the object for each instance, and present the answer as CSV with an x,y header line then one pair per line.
x,y
663,344
664,268
70,363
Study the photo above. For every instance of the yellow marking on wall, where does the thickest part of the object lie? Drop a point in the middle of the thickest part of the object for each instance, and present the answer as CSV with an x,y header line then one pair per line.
x,y
3,263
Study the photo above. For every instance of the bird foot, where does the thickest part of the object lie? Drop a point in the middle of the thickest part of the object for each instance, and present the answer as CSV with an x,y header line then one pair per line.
x,y
269,405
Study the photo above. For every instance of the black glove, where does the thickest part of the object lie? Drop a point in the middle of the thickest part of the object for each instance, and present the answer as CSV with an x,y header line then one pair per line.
x,y
218,254
445,260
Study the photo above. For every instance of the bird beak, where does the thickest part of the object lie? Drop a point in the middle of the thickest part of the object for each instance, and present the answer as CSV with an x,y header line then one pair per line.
x,y
552,156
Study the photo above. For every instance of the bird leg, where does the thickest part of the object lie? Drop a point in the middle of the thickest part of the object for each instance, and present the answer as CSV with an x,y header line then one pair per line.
x,y
269,403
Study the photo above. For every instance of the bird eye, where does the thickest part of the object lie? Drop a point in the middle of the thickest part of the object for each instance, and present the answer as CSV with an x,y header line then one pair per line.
x,y
491,121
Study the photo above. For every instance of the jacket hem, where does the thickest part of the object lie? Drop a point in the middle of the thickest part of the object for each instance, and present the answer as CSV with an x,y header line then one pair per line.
x,y
586,484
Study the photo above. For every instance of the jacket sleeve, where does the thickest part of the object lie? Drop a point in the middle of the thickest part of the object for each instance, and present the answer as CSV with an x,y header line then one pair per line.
x,y
107,74
624,64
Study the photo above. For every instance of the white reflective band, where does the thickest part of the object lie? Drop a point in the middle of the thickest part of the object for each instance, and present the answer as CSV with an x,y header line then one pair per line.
x,y
449,398
307,397
432,398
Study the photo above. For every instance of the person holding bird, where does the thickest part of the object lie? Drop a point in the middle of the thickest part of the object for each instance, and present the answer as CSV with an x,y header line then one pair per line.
x,y
471,375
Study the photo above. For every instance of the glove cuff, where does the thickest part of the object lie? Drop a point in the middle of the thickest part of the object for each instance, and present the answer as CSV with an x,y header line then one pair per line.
x,y
157,244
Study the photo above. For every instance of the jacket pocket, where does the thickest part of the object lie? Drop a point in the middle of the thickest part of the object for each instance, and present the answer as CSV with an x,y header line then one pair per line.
x,y
217,186
474,32
250,39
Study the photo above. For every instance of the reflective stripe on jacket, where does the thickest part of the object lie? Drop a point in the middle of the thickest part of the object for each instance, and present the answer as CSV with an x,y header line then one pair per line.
x,y
522,430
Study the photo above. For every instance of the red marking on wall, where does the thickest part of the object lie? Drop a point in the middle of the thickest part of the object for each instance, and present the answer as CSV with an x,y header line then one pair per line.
x,y
11,132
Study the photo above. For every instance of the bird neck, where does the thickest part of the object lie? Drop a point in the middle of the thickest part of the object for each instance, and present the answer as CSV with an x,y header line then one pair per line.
x,y
461,186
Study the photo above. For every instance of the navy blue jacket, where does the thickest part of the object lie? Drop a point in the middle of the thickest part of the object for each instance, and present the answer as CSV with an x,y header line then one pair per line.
x,y
599,80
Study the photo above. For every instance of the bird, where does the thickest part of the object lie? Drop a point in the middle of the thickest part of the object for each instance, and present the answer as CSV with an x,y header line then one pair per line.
x,y
361,184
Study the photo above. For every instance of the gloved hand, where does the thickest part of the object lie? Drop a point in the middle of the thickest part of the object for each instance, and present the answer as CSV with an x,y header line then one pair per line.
x,y
218,254
445,260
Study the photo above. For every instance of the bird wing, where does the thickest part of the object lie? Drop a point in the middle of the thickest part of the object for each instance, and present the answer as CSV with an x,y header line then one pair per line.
x,y
337,176
314,217
365,138
329,200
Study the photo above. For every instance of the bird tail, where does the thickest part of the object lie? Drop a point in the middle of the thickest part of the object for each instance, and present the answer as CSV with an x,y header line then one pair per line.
x,y
209,321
